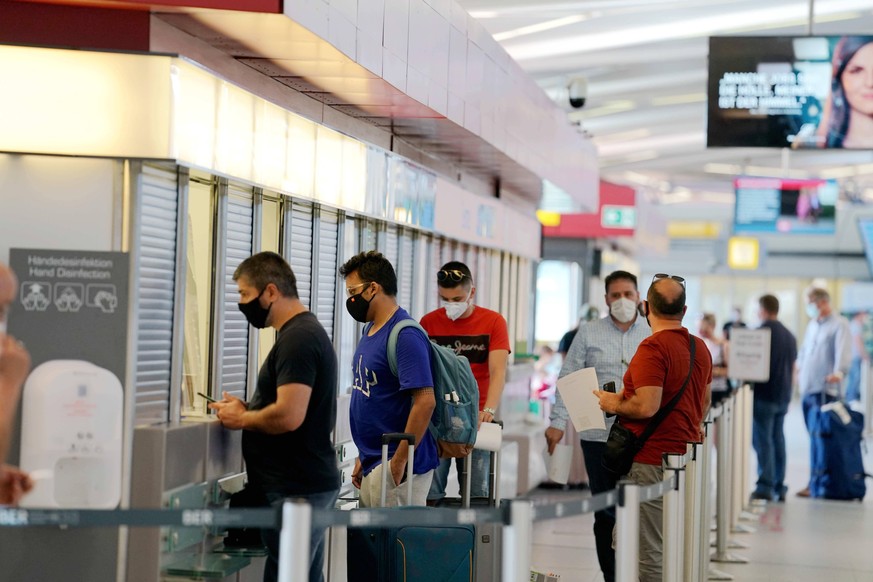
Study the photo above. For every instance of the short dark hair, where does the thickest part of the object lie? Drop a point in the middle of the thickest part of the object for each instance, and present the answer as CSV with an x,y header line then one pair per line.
x,y
770,304
448,283
618,276
265,268
372,267
662,306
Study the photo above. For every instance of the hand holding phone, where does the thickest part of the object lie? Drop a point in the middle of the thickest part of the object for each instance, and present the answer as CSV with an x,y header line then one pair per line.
x,y
207,398
609,387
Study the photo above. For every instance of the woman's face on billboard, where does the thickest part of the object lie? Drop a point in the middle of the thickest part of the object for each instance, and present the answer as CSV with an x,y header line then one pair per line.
x,y
858,81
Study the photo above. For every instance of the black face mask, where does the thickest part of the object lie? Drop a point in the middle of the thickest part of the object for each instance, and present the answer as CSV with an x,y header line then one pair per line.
x,y
357,306
643,310
255,314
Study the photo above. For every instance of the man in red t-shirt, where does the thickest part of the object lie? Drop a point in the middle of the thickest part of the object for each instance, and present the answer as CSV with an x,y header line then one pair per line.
x,y
480,335
655,375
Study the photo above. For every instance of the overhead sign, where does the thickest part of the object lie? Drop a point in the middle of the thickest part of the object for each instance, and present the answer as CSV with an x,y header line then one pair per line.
x,y
618,216
749,356
744,253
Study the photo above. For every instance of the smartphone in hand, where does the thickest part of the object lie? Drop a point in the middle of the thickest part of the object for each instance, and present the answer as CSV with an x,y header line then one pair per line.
x,y
207,398
609,387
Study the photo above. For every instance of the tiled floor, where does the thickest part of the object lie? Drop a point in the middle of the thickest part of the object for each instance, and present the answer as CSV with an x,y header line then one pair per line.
x,y
801,540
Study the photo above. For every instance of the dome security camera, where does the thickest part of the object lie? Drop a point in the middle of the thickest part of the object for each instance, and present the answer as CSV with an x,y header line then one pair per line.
x,y
577,92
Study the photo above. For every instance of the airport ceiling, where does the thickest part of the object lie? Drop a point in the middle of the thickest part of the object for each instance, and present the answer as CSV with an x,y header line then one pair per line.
x,y
645,62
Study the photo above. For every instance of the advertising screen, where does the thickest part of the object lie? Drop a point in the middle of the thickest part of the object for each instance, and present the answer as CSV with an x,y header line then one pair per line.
x,y
801,92
773,205
865,224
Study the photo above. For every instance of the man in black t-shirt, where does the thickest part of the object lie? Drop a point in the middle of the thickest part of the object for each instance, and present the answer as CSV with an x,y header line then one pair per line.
x,y
771,399
288,422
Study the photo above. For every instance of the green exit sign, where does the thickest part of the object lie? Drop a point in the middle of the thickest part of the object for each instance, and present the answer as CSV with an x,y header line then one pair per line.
x,y
618,216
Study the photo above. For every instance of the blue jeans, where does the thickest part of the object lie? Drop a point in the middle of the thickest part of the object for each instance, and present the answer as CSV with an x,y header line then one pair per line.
x,y
599,480
768,439
853,382
324,500
480,468
811,403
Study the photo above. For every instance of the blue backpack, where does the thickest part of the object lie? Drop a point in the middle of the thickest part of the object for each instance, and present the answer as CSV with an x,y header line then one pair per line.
x,y
455,420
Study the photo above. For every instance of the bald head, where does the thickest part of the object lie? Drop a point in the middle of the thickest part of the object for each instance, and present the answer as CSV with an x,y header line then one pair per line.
x,y
8,288
667,299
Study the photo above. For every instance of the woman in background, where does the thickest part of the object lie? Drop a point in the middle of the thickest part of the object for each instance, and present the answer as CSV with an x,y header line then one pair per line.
x,y
847,120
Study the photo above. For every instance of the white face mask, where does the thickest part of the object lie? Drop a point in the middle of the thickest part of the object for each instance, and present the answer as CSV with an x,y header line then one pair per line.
x,y
455,309
623,309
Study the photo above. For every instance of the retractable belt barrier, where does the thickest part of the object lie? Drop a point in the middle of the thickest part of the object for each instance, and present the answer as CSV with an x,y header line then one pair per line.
x,y
686,489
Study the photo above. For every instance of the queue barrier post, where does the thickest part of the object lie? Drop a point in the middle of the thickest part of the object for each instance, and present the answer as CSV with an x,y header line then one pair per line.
x,y
517,542
674,513
692,514
723,488
627,523
741,424
705,570
294,541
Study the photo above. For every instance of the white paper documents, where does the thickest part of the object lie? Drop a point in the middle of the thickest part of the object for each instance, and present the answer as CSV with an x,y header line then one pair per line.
x,y
582,405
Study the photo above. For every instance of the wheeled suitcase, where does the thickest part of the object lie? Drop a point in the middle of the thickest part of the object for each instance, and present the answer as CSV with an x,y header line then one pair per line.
x,y
838,467
489,536
411,553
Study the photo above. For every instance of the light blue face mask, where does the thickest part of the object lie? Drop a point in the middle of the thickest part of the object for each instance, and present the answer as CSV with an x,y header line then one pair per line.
x,y
812,310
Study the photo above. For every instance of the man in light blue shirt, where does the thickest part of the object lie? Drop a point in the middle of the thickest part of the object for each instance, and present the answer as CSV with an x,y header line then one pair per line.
x,y
823,360
607,345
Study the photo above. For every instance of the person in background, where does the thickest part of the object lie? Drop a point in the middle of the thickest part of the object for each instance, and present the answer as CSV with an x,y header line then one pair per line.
x,y
718,350
847,118
14,367
823,360
736,320
586,313
771,399
607,345
480,335
287,425
860,356
383,402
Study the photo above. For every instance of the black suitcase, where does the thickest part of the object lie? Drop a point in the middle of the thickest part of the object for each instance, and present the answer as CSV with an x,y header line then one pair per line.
x,y
410,553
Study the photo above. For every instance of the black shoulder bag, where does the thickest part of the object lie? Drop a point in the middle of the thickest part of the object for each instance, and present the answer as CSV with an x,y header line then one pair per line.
x,y
623,445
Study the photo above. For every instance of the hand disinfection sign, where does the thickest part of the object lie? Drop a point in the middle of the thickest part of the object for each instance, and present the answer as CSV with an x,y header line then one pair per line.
x,y
71,433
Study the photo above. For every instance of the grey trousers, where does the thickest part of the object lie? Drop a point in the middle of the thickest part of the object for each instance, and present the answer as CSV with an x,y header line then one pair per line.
x,y
651,562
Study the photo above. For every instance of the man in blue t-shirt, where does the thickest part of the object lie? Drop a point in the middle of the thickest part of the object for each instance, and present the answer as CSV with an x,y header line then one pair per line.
x,y
381,401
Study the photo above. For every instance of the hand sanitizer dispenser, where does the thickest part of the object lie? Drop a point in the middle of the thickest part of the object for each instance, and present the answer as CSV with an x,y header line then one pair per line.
x,y
71,432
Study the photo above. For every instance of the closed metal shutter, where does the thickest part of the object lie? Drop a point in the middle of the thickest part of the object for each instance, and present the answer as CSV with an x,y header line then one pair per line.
x,y
298,247
156,255
233,344
390,245
326,258
405,271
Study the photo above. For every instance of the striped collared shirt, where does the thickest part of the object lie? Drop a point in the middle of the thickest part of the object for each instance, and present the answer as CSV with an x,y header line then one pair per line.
x,y
602,345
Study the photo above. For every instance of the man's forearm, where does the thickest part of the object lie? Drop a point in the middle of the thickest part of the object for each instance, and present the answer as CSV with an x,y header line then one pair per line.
x,y
423,406
633,408
495,389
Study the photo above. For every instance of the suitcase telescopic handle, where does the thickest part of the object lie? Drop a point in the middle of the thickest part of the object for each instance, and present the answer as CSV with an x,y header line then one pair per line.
x,y
387,438
390,437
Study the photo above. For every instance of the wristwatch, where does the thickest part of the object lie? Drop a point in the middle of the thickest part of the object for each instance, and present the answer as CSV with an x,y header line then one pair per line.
x,y
489,410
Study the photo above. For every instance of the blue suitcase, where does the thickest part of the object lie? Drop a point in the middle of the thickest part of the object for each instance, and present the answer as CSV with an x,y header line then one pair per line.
x,y
410,553
838,467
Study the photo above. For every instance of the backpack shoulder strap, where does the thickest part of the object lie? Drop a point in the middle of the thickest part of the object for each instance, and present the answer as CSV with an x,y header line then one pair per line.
x,y
392,340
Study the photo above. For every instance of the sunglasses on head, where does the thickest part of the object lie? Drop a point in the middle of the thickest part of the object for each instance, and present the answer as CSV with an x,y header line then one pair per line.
x,y
677,278
451,275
